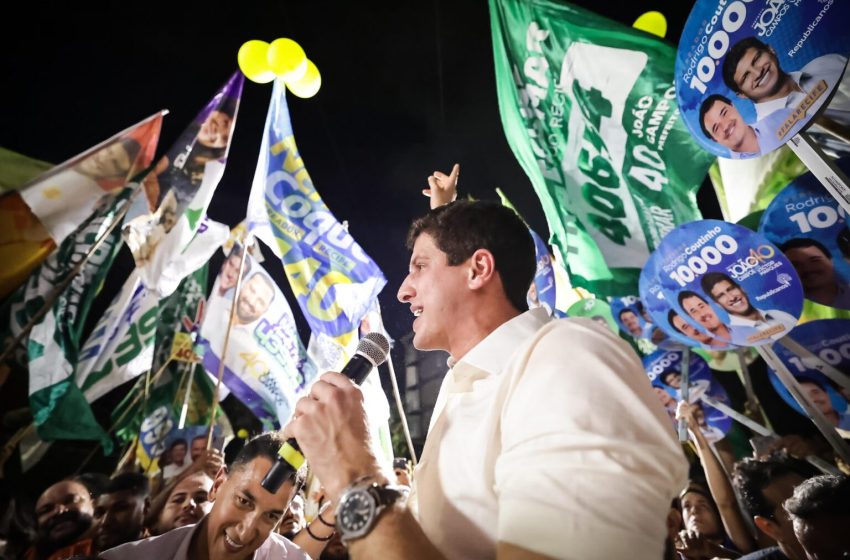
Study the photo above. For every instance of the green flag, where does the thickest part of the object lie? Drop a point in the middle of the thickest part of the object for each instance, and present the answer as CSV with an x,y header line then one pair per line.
x,y
588,107
59,409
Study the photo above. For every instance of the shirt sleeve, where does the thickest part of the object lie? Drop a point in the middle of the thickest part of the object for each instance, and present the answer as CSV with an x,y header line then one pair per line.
x,y
589,462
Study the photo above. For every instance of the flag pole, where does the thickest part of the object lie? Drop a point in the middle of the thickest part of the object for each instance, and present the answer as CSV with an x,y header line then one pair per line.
x,y
400,408
63,285
245,245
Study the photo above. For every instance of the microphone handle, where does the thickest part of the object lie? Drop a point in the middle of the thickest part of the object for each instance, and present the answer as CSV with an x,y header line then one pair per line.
x,y
290,458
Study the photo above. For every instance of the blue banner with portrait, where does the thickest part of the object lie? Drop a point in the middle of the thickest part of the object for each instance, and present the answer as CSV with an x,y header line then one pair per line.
x,y
664,369
750,74
542,290
810,228
828,339
333,279
729,282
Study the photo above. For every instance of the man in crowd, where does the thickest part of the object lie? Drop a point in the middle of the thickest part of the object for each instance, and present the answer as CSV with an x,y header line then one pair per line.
x,y
763,485
700,311
64,521
293,519
813,263
241,523
522,457
119,513
186,504
744,319
820,511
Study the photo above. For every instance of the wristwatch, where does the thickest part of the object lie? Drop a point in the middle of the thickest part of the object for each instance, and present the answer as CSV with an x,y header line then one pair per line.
x,y
361,504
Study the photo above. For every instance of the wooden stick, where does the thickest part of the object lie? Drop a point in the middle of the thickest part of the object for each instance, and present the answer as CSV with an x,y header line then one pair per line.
x,y
400,409
685,390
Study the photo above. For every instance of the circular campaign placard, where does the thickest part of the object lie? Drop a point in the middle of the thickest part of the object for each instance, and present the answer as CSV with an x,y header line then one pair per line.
x,y
664,369
678,330
810,228
595,309
730,282
541,293
829,339
750,74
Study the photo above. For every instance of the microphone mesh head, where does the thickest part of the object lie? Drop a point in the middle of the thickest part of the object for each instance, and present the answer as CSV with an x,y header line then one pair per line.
x,y
374,346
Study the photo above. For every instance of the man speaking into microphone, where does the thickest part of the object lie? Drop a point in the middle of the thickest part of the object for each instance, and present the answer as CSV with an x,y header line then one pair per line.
x,y
546,439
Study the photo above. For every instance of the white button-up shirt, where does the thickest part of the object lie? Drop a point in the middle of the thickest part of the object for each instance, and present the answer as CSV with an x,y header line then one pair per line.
x,y
548,436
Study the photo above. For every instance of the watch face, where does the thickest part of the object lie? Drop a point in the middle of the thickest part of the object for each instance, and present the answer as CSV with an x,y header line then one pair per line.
x,y
356,514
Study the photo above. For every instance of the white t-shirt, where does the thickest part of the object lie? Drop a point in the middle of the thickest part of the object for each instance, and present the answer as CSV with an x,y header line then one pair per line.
x,y
547,435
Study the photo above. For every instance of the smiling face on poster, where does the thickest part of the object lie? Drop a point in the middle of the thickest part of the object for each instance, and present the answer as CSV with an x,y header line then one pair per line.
x,y
679,329
730,282
810,228
664,369
829,339
594,309
750,74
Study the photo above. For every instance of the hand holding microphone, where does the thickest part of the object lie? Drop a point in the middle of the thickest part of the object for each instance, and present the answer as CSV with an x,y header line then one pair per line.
x,y
330,425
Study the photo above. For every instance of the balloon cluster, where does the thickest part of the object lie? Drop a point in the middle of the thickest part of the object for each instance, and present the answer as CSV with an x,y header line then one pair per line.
x,y
262,62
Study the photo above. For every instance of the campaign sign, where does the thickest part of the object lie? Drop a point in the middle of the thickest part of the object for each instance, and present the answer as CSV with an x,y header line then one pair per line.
x,y
595,309
729,281
810,228
829,339
750,74
664,369
542,290
678,329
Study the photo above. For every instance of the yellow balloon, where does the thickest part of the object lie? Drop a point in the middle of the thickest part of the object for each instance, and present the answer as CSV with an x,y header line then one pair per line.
x,y
309,84
253,63
652,22
286,58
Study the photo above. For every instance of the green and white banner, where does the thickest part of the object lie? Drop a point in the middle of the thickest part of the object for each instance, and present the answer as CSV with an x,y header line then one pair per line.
x,y
588,107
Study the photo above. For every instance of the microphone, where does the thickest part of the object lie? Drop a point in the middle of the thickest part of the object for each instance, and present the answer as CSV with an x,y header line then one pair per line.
x,y
372,351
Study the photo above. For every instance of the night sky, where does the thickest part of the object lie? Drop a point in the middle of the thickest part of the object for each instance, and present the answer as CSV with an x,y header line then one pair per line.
x,y
408,88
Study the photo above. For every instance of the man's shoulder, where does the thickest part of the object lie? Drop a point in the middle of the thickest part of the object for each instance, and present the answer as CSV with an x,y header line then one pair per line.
x,y
278,546
772,553
166,543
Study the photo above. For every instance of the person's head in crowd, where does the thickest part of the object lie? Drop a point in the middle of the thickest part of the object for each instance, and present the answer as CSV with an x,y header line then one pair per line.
x,y
216,128
727,293
63,515
763,485
401,468
820,398
119,513
177,451
700,311
666,398
751,69
681,325
629,319
255,298
468,258
820,512
721,122
199,445
95,482
814,265
230,269
188,503
111,162
335,549
700,514
672,378
243,513
293,520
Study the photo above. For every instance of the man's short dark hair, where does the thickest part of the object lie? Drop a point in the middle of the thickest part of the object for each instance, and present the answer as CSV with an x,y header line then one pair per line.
x,y
462,227
178,441
94,482
685,294
706,106
751,476
802,243
734,56
264,445
822,496
670,316
712,278
135,483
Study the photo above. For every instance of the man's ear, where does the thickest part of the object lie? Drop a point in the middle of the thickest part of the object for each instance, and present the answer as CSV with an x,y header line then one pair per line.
x,y
767,526
220,478
482,268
